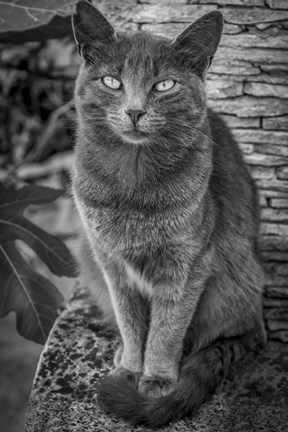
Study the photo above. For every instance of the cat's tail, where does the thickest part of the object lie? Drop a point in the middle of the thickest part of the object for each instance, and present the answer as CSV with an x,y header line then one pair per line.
x,y
200,375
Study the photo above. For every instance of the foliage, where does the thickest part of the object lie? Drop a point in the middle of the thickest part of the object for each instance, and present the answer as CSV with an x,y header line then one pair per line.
x,y
36,117
47,17
34,123
33,297
36,112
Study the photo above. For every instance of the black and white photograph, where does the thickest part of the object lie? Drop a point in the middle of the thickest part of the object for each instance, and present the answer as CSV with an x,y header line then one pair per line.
x,y
144,215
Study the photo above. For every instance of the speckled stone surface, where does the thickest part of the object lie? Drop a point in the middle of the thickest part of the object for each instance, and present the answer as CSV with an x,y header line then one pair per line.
x,y
79,351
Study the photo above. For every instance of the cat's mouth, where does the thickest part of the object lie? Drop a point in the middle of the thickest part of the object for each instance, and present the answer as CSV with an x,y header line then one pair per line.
x,y
135,135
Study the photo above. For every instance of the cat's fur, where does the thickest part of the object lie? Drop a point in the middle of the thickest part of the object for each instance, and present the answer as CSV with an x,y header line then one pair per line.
x,y
170,214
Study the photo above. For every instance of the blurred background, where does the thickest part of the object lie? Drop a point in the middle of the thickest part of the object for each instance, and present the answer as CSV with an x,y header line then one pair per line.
x,y
247,84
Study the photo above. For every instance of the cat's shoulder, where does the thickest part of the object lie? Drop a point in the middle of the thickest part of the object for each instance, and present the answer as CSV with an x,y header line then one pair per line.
x,y
217,124
222,136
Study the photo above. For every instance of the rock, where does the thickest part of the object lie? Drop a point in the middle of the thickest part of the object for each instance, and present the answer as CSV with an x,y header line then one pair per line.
x,y
267,228
273,242
261,89
275,123
251,3
253,15
277,77
158,13
274,256
275,302
272,149
277,184
236,122
262,201
280,68
279,313
260,136
278,346
233,68
222,89
284,25
175,28
259,172
282,173
170,30
277,4
250,106
118,13
264,160
281,335
232,29
280,269
263,26
246,148
276,281
277,291
223,77
126,26
255,41
273,215
253,55
281,203
273,193
163,2
277,325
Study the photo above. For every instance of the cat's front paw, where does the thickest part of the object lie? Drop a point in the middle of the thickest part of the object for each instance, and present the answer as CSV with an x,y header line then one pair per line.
x,y
156,387
132,377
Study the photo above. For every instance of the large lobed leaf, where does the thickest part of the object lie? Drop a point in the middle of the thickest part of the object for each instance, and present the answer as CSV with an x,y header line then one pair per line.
x,y
58,28
18,15
33,297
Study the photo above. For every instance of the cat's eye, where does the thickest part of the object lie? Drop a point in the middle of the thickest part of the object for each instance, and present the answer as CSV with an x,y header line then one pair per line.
x,y
164,85
111,82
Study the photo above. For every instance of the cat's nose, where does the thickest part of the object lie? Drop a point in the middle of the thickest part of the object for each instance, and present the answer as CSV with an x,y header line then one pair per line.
x,y
135,115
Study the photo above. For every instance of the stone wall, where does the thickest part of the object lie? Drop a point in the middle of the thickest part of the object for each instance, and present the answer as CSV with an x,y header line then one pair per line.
x,y
248,85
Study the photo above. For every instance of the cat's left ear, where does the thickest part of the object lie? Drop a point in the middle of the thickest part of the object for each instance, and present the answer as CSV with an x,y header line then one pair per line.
x,y
92,31
199,41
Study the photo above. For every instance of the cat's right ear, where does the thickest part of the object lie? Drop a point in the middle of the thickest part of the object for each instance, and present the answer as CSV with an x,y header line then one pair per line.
x,y
92,31
199,41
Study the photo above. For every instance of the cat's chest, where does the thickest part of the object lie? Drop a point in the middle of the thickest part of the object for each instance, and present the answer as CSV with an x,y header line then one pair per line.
x,y
133,242
127,233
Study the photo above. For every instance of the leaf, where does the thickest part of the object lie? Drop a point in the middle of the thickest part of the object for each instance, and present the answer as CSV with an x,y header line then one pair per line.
x,y
33,297
49,248
13,200
19,15
58,28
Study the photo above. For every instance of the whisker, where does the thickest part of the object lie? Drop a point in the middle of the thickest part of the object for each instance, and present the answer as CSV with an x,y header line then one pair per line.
x,y
175,128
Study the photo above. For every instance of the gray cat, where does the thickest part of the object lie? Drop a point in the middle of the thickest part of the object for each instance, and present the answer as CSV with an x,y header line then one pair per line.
x,y
170,214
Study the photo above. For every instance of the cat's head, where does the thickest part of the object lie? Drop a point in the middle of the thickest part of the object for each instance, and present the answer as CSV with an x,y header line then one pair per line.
x,y
139,85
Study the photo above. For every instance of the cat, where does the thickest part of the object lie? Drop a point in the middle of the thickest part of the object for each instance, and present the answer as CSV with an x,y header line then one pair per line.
x,y
170,214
